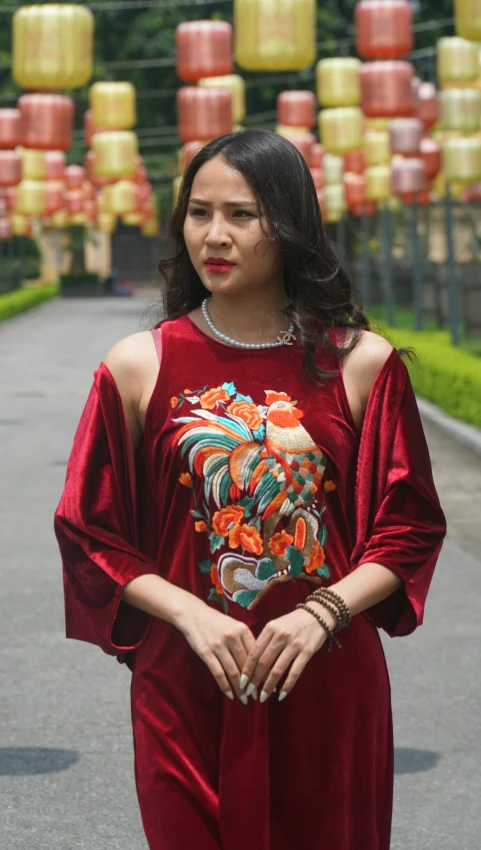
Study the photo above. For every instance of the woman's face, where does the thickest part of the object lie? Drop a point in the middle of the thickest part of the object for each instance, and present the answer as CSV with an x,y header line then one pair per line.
x,y
224,223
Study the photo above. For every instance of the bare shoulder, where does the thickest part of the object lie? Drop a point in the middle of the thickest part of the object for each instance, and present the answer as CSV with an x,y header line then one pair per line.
x,y
129,359
364,363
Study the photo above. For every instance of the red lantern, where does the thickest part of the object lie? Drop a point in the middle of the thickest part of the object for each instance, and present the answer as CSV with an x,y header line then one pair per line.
x,y
428,110
47,121
318,177
140,175
11,198
75,176
386,90
5,229
54,165
408,178
430,153
354,162
54,196
424,196
405,136
187,153
296,109
204,49
317,155
383,29
10,168
304,142
10,128
203,113
368,210
355,189
90,129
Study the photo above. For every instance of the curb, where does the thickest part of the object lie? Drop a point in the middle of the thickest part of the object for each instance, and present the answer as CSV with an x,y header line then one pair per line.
x,y
467,434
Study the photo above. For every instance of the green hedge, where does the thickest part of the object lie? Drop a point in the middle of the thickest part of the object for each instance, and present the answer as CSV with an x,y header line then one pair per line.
x,y
13,303
445,375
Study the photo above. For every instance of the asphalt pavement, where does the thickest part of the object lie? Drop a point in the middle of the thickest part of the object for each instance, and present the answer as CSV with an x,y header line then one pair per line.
x,y
66,774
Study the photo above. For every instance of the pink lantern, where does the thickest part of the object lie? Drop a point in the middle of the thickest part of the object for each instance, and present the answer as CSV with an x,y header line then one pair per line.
x,y
408,178
5,229
75,176
386,90
296,109
74,201
54,196
204,49
383,29
10,168
430,153
428,110
10,128
304,142
405,136
47,121
317,155
203,113
54,165
354,162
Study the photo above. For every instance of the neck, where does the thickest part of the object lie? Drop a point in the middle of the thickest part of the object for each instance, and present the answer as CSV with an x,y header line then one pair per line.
x,y
249,318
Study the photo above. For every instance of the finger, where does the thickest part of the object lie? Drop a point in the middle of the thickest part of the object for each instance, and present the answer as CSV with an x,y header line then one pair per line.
x,y
276,671
267,660
218,673
297,667
231,670
250,673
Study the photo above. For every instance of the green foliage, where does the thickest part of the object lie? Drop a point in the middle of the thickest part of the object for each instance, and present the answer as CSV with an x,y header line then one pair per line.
x,y
17,302
88,279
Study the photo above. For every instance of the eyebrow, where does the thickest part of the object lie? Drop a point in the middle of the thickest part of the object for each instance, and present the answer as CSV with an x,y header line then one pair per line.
x,y
227,203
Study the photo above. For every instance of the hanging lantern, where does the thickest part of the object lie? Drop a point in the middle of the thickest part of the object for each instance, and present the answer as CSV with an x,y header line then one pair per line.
x,y
405,136
90,169
10,197
151,228
375,125
462,159
54,196
237,88
10,128
122,197
334,202
333,167
5,229
468,19
317,175
457,61
338,82
341,129
355,189
355,162
286,131
132,219
203,49
47,121
377,148
303,142
52,46
187,153
75,176
378,182
367,210
59,219
33,164
106,222
74,202
203,113
90,129
54,165
386,90
428,109
115,154
275,36
10,168
408,177
383,28
430,153
296,109
30,197
415,86
21,225
317,155
140,175
112,107
460,110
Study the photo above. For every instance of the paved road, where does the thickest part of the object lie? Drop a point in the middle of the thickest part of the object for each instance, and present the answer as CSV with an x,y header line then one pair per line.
x,y
65,749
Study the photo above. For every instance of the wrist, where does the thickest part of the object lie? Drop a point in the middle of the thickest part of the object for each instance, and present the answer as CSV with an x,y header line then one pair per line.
x,y
326,614
186,611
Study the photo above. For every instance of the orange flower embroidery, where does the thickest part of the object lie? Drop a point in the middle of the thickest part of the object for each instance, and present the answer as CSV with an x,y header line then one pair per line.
x,y
246,536
223,518
279,542
174,401
209,399
246,411
187,392
186,479
214,575
329,486
200,526
317,558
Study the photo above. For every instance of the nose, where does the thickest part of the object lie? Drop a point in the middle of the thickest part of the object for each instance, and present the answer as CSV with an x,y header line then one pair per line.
x,y
218,232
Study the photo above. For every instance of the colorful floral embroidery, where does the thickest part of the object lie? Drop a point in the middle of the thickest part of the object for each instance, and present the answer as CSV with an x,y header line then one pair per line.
x,y
261,472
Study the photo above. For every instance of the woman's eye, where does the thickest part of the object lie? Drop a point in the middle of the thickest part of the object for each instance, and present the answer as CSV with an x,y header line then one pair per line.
x,y
243,213
195,211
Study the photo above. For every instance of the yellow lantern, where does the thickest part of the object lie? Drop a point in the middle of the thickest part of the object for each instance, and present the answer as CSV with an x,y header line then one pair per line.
x,y
275,35
59,219
334,202
376,124
113,105
121,197
338,81
33,164
151,227
457,61
284,130
106,222
78,219
236,86
115,154
30,197
52,46
176,184
460,110
132,219
462,159
341,129
378,182
468,19
20,224
377,148
333,167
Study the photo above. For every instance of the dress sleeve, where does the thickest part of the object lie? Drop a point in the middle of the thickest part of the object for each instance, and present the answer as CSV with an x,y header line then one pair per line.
x,y
399,520
95,525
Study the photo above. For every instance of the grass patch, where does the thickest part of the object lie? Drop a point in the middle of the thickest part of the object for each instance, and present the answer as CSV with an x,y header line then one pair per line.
x,y
20,300
405,321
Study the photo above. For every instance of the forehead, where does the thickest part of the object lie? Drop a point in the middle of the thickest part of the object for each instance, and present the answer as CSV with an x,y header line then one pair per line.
x,y
217,179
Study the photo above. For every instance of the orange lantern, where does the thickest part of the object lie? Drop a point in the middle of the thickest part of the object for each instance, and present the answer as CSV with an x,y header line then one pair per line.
x,y
460,110
317,155
405,136
236,86
457,61
203,49
341,129
276,36
355,189
33,164
74,202
203,113
430,153
10,168
10,195
54,165
187,153
112,105
75,176
5,229
115,154
338,81
10,128
383,29
303,142
52,46
386,90
47,121
296,108
355,162
30,197
468,19
54,196
428,109
408,178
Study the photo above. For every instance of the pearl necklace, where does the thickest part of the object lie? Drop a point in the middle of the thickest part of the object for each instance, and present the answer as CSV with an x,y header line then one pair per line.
x,y
284,337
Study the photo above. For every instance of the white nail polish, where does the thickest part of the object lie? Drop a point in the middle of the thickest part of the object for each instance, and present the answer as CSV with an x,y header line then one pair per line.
x,y
263,696
244,699
251,687
282,695
243,681
229,694
254,693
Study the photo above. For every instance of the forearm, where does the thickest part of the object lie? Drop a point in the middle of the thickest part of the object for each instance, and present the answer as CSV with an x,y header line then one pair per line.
x,y
159,597
363,587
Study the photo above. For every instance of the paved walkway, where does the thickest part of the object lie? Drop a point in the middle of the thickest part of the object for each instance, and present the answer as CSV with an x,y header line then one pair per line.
x,y
65,752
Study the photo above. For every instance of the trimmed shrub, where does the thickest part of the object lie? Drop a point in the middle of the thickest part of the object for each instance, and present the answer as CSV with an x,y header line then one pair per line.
x,y
13,303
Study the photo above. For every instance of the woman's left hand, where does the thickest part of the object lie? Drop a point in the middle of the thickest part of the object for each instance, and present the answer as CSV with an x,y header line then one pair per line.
x,y
291,639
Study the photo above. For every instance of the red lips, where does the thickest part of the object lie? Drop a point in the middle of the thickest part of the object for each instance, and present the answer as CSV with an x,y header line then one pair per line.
x,y
217,261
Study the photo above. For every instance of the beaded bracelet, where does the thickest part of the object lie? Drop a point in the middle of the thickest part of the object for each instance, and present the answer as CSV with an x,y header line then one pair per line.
x,y
344,614
330,634
340,618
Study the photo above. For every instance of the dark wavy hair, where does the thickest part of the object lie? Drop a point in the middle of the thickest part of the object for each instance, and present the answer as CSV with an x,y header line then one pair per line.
x,y
315,282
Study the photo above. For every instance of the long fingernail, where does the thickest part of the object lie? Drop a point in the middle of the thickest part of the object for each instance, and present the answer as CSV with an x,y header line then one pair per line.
x,y
244,699
229,694
254,693
243,681
264,696
251,687
282,695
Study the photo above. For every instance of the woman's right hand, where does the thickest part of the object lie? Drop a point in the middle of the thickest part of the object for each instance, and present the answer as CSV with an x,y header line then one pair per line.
x,y
222,642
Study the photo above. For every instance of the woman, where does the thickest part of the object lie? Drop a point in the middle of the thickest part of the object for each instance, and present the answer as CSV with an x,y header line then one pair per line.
x,y
260,444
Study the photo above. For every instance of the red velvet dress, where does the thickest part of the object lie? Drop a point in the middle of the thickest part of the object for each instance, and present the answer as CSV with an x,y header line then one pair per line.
x,y
250,489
